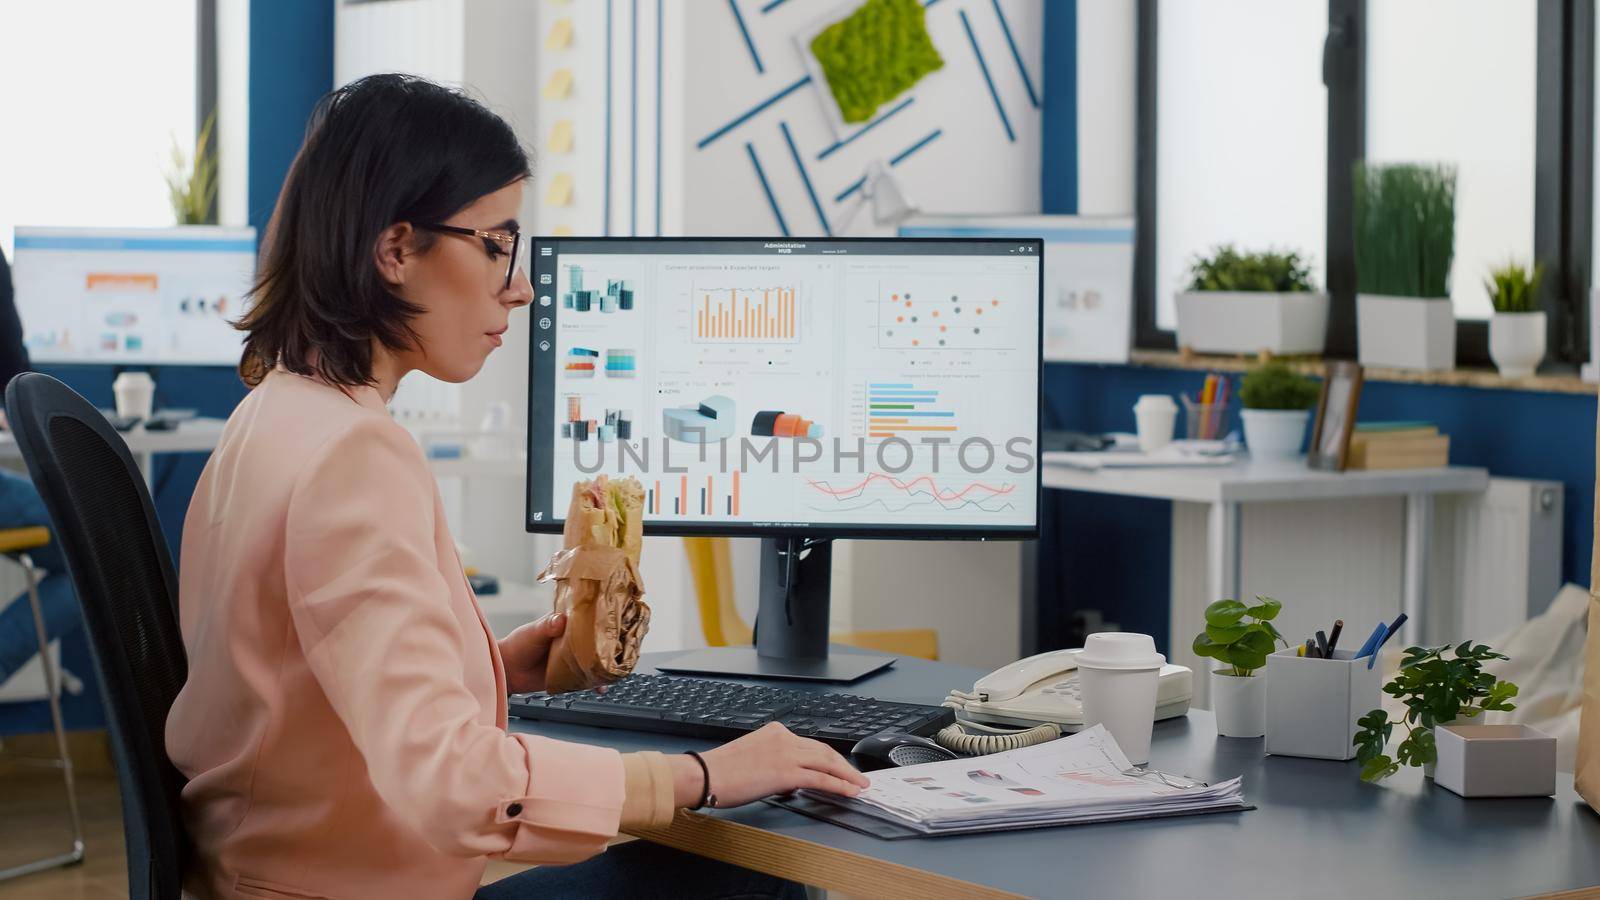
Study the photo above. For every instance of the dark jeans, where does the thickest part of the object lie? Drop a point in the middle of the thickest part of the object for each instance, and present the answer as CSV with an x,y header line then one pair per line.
x,y
21,507
643,870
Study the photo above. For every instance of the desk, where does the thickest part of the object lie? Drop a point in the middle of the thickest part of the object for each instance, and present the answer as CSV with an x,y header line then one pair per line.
x,y
191,436
1403,838
1225,489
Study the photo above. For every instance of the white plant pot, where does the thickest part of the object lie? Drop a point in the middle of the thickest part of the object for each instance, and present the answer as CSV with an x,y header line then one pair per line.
x,y
1406,332
1240,704
1252,321
1516,343
1274,435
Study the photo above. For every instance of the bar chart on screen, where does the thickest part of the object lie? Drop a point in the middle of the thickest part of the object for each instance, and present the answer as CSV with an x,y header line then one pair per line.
x,y
767,314
716,495
907,409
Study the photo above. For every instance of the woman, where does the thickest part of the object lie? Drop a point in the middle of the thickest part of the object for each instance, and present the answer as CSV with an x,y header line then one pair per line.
x,y
343,728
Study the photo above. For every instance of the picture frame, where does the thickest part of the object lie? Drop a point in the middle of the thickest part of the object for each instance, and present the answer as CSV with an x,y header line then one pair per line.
x,y
1336,416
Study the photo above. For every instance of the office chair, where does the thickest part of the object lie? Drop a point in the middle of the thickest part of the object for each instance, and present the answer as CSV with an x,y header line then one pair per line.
x,y
119,563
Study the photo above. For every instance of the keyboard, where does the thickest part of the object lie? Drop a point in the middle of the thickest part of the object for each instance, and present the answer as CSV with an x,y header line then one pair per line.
x,y
723,710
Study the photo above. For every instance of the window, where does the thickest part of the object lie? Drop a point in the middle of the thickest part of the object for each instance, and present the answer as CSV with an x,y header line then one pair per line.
x,y
1242,134
96,109
1504,89
1453,81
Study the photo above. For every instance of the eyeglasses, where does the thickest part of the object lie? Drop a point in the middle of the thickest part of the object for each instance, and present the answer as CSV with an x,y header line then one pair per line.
x,y
493,243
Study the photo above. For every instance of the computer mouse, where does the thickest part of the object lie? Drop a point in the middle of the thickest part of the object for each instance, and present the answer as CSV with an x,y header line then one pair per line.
x,y
892,748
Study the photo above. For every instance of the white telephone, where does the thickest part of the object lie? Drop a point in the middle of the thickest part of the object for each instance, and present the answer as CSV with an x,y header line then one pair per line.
x,y
1045,689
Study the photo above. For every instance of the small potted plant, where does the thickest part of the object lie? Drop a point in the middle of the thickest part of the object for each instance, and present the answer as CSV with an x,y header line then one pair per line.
x,y
1435,691
1251,301
1517,329
1277,404
1404,230
1241,638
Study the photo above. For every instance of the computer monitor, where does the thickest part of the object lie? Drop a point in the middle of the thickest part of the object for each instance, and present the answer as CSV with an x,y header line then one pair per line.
x,y
133,296
795,391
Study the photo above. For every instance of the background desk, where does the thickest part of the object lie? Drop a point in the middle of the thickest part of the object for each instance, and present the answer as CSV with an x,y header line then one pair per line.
x,y
1319,832
191,436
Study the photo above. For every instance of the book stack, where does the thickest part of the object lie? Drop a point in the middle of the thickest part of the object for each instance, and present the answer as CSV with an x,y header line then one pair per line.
x,y
1398,445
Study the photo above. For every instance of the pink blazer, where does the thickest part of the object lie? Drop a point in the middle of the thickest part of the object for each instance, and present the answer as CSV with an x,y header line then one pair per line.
x,y
343,727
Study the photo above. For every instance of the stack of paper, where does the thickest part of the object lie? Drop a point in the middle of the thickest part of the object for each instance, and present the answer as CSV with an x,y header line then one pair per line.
x,y
1077,779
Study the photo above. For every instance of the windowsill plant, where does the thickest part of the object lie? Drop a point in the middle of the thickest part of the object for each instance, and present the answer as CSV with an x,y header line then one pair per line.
x,y
1241,638
1251,301
1277,405
1517,329
1404,231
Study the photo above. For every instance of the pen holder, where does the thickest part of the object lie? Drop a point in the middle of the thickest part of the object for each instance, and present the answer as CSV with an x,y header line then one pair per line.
x,y
1206,421
1313,704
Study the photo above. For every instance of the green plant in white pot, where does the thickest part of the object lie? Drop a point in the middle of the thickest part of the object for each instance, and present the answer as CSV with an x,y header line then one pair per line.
x,y
1247,302
1277,405
1404,230
1241,638
1517,329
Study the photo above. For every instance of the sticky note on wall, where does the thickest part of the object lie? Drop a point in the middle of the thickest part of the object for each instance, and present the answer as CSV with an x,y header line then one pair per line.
x,y
560,191
560,36
559,87
560,137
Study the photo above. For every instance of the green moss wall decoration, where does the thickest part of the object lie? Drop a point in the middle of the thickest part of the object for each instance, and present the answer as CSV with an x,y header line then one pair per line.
x,y
874,54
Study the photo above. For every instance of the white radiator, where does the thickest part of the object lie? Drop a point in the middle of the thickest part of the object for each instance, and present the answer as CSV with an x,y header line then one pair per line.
x,y
1495,560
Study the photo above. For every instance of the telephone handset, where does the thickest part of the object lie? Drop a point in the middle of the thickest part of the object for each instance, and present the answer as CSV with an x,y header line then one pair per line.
x,y
1045,688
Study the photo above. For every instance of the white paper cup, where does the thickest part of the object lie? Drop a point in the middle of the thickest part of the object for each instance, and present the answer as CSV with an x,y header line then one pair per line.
x,y
1119,674
1155,416
135,393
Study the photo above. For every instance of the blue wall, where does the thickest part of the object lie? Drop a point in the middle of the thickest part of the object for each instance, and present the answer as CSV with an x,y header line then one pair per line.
x,y
1114,554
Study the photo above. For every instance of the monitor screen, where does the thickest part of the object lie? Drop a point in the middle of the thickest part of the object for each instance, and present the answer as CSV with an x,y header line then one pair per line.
x,y
840,387
149,296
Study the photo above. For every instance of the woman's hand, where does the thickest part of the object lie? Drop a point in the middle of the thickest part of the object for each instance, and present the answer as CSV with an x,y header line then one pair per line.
x,y
526,650
770,760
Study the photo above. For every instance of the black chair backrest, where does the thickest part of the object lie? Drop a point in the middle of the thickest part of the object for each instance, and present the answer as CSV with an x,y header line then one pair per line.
x,y
102,519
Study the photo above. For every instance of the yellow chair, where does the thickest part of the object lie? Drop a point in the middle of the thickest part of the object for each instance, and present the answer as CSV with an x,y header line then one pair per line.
x,y
712,569
15,544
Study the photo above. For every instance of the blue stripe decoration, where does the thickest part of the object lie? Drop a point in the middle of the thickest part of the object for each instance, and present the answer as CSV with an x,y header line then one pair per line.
x,y
1058,120
901,156
748,41
998,106
605,215
928,3
1016,54
1048,235
806,178
144,244
746,116
854,186
633,113
772,6
832,148
772,201
659,29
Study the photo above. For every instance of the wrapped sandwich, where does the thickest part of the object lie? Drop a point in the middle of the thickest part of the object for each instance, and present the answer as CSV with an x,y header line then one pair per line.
x,y
598,586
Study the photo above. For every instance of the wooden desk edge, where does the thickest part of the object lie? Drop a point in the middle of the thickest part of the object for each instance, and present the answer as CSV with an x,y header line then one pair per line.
x,y
807,862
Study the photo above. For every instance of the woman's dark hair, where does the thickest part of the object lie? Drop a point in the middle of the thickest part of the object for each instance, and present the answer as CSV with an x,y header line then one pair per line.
x,y
380,150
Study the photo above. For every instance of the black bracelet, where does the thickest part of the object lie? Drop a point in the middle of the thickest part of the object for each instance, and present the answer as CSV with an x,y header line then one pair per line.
x,y
706,797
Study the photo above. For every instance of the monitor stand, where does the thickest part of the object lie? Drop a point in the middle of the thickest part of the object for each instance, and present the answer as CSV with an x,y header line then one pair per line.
x,y
791,639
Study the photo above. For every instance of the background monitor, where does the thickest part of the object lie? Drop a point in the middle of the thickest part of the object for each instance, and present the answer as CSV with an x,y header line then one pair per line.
x,y
136,296
792,390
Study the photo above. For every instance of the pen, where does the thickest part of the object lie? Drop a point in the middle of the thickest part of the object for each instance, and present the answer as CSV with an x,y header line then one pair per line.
x,y
1372,642
1322,645
1300,650
1393,627
1308,649
1333,636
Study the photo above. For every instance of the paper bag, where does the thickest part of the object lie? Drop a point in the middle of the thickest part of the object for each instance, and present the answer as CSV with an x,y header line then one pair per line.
x,y
1587,769
598,587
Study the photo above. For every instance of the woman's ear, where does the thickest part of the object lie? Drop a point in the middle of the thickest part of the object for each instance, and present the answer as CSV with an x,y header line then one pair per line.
x,y
392,252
